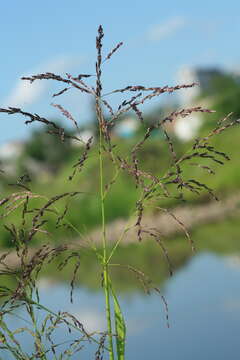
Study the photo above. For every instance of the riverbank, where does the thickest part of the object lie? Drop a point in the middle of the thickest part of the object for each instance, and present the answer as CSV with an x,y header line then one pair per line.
x,y
214,227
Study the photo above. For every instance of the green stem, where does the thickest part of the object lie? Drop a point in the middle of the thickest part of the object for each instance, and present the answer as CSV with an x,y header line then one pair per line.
x,y
38,338
125,230
104,240
87,335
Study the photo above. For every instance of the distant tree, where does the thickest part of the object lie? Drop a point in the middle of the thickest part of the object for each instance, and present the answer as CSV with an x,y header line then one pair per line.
x,y
227,89
48,150
224,94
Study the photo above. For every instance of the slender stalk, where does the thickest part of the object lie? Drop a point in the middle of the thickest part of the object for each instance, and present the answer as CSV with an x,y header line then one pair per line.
x,y
87,335
38,340
125,230
104,240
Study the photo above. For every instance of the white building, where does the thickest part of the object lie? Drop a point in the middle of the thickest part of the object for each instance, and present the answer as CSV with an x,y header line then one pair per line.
x,y
127,127
11,150
187,128
9,153
83,136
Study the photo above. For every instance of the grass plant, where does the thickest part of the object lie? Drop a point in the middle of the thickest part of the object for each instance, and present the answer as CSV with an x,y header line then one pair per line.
x,y
173,180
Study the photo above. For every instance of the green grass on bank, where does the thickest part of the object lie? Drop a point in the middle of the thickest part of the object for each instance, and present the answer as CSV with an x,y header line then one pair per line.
x,y
84,210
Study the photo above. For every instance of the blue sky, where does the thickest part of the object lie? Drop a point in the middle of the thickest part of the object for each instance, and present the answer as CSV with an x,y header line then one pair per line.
x,y
59,36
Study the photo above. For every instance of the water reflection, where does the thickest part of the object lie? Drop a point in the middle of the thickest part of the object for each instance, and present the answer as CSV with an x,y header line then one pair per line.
x,y
204,308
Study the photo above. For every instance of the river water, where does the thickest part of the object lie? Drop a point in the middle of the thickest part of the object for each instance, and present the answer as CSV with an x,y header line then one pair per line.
x,y
204,313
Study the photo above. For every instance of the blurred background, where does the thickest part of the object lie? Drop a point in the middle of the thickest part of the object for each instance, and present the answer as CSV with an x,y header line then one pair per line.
x,y
163,44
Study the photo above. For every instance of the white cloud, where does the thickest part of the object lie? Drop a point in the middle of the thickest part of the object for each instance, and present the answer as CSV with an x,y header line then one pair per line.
x,y
25,93
161,31
91,319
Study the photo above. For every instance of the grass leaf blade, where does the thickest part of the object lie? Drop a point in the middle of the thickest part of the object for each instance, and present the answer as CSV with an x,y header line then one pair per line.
x,y
120,327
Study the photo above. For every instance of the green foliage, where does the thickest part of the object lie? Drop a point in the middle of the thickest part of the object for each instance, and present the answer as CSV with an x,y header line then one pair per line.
x,y
224,95
154,157
47,149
